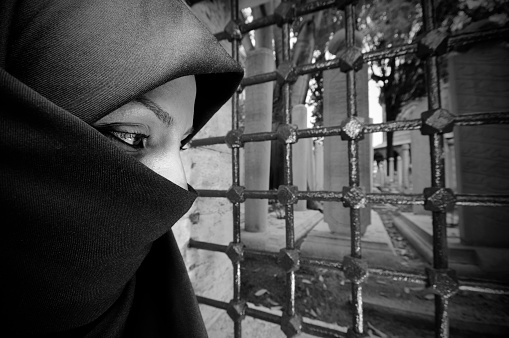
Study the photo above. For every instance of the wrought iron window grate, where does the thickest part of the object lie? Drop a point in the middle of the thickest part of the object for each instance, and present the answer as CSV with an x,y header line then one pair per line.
x,y
440,279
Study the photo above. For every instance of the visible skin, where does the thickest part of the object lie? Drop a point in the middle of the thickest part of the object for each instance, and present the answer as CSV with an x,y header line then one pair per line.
x,y
151,128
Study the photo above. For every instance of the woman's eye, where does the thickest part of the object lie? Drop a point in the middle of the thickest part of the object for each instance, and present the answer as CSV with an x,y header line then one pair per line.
x,y
134,140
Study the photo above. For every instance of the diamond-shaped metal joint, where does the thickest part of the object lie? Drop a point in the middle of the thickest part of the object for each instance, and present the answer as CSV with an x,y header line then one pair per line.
x,y
437,121
233,31
284,13
443,282
291,326
236,194
351,58
352,128
350,333
289,260
236,309
235,252
287,133
354,197
438,199
285,73
233,138
433,43
287,194
355,269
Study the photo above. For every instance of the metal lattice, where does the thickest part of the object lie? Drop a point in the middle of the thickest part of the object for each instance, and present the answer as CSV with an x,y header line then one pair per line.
x,y
441,279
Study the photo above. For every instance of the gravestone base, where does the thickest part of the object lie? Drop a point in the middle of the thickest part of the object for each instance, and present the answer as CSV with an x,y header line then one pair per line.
x,y
376,244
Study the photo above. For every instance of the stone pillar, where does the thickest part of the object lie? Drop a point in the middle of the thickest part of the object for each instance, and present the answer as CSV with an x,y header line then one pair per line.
x,y
399,165
311,168
405,152
421,167
391,169
478,83
258,107
299,157
336,152
319,165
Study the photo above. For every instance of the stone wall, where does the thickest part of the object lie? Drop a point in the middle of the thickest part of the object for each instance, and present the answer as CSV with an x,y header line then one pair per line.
x,y
479,83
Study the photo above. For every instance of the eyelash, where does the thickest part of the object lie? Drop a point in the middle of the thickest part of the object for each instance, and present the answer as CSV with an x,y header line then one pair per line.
x,y
136,140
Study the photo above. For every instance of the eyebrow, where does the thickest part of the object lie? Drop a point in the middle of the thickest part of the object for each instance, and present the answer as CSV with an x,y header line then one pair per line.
x,y
161,114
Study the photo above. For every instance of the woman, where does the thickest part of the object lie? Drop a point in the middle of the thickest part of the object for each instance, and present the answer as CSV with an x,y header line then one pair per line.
x,y
97,99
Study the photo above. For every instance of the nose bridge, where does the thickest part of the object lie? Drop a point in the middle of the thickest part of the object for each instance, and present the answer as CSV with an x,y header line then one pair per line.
x,y
170,166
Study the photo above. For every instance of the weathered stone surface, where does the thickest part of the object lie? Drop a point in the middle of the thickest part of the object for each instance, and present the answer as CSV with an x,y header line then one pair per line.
x,y
258,108
300,154
478,83
336,151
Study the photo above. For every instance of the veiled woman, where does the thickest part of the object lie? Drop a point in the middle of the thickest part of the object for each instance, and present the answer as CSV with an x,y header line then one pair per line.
x,y
97,97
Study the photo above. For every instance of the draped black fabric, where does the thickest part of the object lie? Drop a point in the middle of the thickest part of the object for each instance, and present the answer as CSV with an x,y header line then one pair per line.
x,y
86,246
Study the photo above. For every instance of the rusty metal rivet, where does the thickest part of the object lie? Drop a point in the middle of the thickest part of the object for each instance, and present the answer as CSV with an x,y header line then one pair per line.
x,y
352,128
438,199
354,197
232,29
287,194
236,309
287,133
291,326
443,282
355,269
352,59
235,251
437,121
284,13
289,260
432,43
285,73
236,194
233,138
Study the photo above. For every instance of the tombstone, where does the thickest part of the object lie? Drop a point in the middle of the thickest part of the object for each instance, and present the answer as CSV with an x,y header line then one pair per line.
x,y
258,107
420,156
478,83
391,169
300,154
399,165
318,153
405,154
336,151
311,166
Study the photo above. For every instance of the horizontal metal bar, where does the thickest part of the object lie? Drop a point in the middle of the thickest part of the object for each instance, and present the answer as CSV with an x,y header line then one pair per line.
x,y
472,200
461,40
473,119
469,285
475,200
257,79
207,141
316,330
319,5
403,199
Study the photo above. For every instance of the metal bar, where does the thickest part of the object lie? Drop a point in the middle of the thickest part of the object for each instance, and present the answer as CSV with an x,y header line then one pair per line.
x,y
237,323
288,178
440,252
466,284
472,119
353,172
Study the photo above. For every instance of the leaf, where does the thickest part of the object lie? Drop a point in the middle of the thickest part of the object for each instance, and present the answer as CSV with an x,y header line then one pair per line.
x,y
260,292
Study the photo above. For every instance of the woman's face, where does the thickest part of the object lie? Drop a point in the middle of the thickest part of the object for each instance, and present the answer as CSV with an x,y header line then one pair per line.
x,y
152,127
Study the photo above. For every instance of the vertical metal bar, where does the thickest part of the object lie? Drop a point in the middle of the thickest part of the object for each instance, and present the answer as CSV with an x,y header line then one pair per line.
x,y
288,176
440,257
353,169
237,324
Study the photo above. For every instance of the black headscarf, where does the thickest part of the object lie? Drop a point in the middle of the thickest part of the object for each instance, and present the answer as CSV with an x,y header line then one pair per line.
x,y
85,247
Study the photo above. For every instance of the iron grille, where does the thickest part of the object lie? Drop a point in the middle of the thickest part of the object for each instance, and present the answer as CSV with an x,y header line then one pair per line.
x,y
441,279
